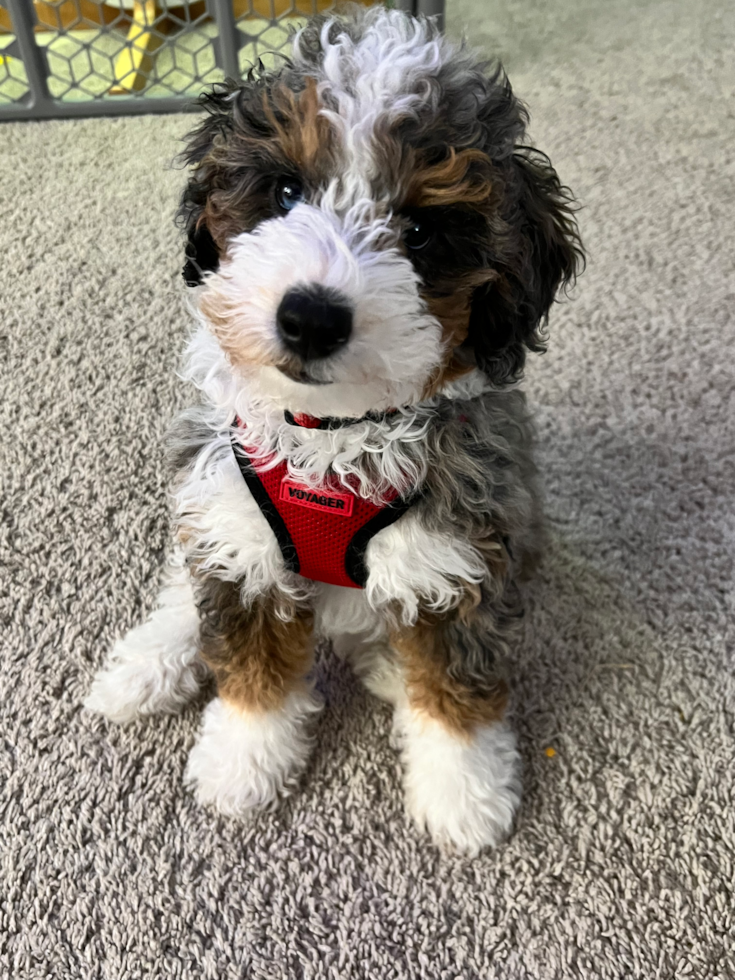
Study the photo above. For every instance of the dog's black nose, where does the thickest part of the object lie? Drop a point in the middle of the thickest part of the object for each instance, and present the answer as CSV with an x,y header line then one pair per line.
x,y
314,321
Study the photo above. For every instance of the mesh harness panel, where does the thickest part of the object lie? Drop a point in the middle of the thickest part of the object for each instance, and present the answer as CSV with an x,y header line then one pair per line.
x,y
322,532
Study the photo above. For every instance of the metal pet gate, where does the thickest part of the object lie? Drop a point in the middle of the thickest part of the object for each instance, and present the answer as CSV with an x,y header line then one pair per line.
x,y
71,58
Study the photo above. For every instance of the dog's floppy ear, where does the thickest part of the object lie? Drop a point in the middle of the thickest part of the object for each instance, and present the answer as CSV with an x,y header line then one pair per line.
x,y
202,254
538,252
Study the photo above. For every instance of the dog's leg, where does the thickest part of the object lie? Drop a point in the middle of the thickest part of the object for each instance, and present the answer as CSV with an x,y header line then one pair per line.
x,y
461,763
255,737
154,668
376,664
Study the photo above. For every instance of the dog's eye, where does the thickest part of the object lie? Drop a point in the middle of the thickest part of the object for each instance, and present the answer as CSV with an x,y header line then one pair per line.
x,y
289,192
417,235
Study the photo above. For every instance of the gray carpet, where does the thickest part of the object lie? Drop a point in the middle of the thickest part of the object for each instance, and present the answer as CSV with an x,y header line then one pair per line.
x,y
622,864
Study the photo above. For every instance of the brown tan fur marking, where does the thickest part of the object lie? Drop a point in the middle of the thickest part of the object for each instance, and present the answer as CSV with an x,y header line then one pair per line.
x,y
257,656
222,319
453,310
425,656
462,178
304,136
243,168
300,141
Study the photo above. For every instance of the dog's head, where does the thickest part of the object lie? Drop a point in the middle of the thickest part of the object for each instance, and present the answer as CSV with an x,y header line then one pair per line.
x,y
365,223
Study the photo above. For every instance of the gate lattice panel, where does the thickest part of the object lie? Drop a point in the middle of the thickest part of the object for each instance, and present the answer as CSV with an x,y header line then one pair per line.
x,y
63,58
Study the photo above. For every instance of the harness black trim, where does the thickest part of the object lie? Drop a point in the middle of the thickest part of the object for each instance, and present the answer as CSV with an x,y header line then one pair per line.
x,y
355,554
338,423
278,526
354,560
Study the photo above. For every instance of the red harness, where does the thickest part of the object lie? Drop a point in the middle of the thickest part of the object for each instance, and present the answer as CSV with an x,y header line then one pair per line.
x,y
322,532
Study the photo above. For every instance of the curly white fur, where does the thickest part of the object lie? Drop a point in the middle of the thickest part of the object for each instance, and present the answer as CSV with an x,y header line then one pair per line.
x,y
154,669
395,345
411,566
464,792
244,761
223,529
371,456
375,82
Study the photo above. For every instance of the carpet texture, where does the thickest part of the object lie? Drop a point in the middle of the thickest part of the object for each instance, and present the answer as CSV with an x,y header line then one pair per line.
x,y
622,863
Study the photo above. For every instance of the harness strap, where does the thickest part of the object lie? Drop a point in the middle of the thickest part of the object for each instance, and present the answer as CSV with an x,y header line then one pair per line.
x,y
322,532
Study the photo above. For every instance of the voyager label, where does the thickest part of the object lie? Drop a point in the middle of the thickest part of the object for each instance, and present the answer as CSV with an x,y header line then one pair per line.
x,y
326,501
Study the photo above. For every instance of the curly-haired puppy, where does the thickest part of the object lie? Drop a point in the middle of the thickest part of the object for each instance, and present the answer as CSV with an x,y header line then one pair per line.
x,y
373,250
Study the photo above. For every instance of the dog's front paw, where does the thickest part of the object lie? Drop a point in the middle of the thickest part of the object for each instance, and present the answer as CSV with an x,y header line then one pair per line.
x,y
244,761
154,668
463,791
148,673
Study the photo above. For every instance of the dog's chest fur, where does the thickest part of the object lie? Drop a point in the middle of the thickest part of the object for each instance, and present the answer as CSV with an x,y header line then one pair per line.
x,y
467,453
